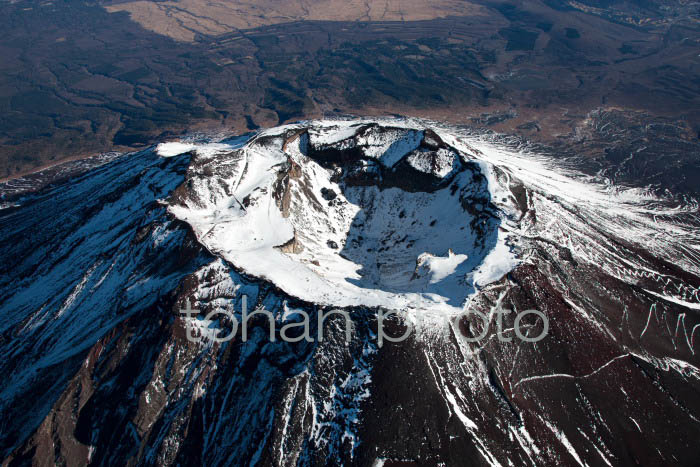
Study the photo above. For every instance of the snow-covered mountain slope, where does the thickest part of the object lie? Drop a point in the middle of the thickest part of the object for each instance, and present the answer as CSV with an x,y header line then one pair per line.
x,y
406,224
363,216
76,261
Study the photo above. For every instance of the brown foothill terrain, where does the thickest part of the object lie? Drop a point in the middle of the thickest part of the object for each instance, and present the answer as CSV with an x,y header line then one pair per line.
x,y
122,75
184,20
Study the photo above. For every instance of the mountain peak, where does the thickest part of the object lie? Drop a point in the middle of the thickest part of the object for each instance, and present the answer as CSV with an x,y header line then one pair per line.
x,y
508,266
344,214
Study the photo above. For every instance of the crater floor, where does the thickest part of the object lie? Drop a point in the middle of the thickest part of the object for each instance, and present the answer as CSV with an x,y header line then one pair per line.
x,y
349,214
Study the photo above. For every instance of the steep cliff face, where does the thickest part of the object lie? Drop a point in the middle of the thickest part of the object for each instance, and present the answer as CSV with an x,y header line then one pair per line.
x,y
367,218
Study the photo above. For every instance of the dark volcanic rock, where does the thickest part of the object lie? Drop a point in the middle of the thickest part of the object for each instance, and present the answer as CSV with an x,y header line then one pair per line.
x,y
99,368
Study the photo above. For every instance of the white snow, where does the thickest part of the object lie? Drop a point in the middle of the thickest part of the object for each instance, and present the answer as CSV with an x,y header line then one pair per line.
x,y
376,247
565,441
440,163
677,301
500,260
403,260
332,135
389,146
466,421
174,148
441,267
